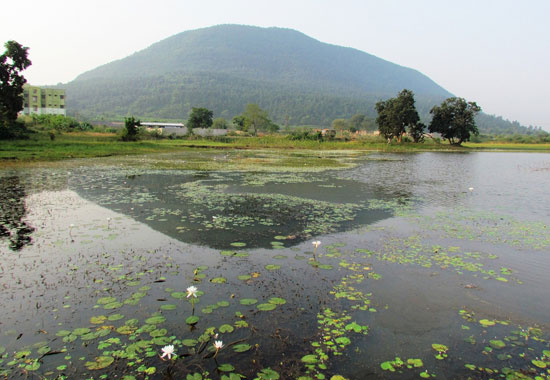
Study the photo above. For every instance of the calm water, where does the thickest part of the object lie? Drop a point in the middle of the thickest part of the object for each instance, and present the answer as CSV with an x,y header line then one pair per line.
x,y
430,248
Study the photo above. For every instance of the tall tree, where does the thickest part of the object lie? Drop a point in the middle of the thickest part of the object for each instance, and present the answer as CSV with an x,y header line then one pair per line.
x,y
131,130
239,122
356,122
219,123
256,118
12,62
199,118
396,114
454,119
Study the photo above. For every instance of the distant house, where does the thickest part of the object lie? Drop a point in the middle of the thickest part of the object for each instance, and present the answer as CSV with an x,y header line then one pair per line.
x,y
41,100
165,128
179,129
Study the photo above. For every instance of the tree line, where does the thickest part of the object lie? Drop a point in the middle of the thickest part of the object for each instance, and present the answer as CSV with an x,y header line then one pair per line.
x,y
453,119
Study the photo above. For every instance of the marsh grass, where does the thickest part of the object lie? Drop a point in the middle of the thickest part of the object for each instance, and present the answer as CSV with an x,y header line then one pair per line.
x,y
40,147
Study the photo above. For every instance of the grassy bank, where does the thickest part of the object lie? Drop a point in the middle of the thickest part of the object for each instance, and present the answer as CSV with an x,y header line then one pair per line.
x,y
87,144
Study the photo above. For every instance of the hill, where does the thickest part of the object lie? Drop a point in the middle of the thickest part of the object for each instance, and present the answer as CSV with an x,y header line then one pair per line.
x,y
294,77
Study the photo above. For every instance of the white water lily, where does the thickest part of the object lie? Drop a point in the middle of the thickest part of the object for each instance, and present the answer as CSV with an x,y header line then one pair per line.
x,y
471,188
168,351
218,344
192,291
316,243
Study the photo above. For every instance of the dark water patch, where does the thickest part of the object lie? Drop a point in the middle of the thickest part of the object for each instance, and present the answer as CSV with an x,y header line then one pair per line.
x,y
216,210
13,210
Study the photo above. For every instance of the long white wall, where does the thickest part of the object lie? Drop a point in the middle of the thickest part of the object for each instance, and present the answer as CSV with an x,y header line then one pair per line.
x,y
45,111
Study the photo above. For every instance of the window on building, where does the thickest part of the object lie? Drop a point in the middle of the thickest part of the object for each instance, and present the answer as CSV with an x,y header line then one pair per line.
x,y
62,106
61,96
34,98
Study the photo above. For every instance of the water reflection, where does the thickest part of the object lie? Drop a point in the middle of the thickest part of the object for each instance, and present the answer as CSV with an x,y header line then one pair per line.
x,y
217,209
12,212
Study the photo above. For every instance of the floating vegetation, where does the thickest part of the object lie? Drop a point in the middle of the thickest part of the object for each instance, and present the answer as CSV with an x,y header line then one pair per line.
x,y
427,291
462,223
412,251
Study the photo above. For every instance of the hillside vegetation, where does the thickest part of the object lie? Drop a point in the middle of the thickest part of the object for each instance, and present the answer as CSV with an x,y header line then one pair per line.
x,y
297,79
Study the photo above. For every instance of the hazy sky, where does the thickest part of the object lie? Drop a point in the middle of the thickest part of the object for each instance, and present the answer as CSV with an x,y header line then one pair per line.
x,y
496,53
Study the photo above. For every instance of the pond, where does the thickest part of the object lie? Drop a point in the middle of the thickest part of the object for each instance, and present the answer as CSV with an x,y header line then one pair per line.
x,y
428,265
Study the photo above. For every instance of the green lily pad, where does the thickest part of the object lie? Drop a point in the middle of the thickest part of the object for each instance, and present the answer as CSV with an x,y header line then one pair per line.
x,y
97,320
266,306
158,332
277,301
115,317
226,368
267,374
242,347
81,331
248,301
272,267
219,280
238,244
226,328
155,320
179,295
106,300
486,322
309,359
192,320
189,342
244,277
498,344
100,362
113,305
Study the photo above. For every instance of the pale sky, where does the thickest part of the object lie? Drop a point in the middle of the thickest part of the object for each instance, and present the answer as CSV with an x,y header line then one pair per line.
x,y
493,52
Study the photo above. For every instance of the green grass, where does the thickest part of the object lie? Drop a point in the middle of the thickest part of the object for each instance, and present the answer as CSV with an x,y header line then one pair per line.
x,y
87,144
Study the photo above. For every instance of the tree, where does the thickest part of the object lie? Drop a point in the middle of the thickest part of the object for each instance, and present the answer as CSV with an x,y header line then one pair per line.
x,y
339,124
199,118
239,122
454,119
256,118
416,131
219,123
12,62
131,129
356,122
396,114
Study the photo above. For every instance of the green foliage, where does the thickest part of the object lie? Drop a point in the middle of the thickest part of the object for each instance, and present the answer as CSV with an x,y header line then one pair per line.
x,y
131,129
60,123
199,118
219,123
454,119
12,62
397,114
256,118
340,124
239,123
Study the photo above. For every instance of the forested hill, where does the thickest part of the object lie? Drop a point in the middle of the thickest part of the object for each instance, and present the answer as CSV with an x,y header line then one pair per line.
x,y
292,76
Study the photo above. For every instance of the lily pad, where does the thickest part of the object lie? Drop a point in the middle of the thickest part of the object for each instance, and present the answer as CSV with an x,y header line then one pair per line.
x,y
219,280
277,301
266,306
226,328
248,301
192,320
100,362
155,320
242,347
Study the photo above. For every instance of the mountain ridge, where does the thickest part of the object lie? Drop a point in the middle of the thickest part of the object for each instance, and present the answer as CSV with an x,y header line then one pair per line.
x,y
224,67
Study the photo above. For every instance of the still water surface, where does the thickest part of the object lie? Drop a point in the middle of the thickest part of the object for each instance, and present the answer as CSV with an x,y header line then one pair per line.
x,y
416,250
